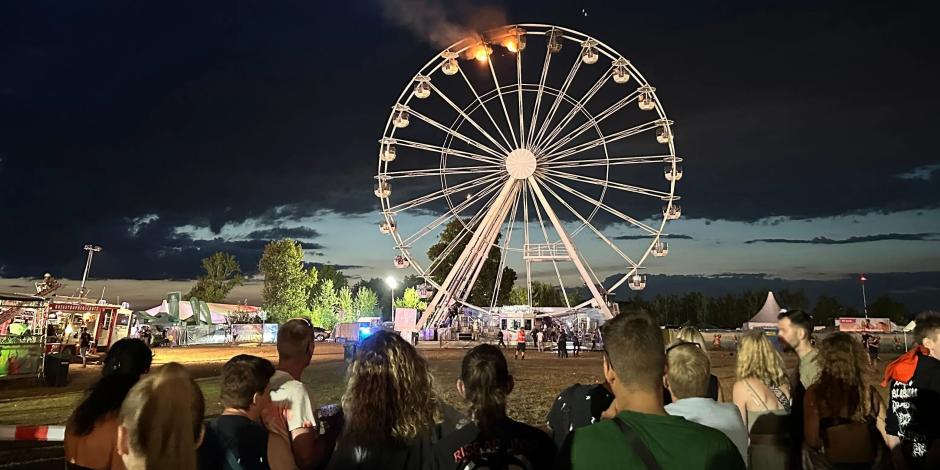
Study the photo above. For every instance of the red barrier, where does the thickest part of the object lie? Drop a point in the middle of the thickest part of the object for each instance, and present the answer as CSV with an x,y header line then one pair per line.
x,y
32,433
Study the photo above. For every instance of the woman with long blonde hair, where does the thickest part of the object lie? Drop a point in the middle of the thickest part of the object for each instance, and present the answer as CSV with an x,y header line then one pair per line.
x,y
393,415
161,422
843,409
762,394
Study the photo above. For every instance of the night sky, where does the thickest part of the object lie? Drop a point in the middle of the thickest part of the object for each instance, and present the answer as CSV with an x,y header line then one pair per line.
x,y
168,130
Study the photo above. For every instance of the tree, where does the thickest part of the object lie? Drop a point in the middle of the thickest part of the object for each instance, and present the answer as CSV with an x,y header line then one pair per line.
x,y
885,306
347,304
482,292
546,295
286,282
366,301
323,313
222,275
519,295
826,310
410,299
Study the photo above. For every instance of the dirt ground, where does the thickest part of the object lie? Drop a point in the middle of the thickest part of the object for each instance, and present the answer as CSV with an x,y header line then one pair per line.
x,y
538,379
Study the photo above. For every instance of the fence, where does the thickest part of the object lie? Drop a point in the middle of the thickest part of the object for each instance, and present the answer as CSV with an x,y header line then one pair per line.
x,y
194,335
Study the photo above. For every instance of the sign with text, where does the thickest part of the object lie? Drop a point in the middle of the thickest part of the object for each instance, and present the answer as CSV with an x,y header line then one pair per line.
x,y
864,325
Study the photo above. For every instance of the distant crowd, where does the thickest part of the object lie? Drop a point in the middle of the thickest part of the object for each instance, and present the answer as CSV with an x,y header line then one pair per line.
x,y
658,407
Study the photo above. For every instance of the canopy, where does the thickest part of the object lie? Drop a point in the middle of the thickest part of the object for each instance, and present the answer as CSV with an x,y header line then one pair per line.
x,y
767,316
218,312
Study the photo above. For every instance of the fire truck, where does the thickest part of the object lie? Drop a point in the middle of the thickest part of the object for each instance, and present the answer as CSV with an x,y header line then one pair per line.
x,y
106,323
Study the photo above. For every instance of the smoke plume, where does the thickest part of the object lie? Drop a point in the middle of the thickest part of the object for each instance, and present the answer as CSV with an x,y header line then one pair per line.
x,y
439,25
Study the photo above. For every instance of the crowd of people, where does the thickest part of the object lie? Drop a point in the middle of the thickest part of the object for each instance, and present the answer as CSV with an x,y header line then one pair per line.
x,y
658,406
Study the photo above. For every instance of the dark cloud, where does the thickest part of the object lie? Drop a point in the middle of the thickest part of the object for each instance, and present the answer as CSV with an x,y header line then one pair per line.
x,y
272,112
284,232
851,240
644,237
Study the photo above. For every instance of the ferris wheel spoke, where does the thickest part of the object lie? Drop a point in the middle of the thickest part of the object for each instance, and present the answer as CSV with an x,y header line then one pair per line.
x,y
457,135
467,118
639,160
538,213
464,231
558,99
503,103
448,151
505,249
611,210
430,197
599,118
451,214
538,98
461,170
574,109
610,184
485,109
591,227
525,240
522,137
603,140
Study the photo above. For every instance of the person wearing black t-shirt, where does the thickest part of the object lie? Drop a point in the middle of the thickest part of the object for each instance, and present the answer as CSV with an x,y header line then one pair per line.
x,y
491,439
236,440
913,420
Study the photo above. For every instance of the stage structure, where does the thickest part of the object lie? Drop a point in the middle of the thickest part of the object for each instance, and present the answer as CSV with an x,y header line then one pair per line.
x,y
527,153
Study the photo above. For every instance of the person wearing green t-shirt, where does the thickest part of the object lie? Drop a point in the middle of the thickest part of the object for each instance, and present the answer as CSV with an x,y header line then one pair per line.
x,y
639,433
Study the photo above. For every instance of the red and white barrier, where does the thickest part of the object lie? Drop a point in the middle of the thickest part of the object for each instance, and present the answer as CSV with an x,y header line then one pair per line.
x,y
32,433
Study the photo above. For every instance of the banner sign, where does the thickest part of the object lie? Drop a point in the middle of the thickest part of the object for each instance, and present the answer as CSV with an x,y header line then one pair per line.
x,y
65,307
242,333
864,325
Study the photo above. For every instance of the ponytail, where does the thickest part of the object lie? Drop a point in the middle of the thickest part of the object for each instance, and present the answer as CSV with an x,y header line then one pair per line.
x,y
486,383
163,418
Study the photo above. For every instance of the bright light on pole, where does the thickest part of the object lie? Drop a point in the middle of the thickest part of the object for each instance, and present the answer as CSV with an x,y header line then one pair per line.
x,y
392,283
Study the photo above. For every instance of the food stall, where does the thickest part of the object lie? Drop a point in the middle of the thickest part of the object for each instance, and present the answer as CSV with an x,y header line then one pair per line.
x,y
105,323
21,335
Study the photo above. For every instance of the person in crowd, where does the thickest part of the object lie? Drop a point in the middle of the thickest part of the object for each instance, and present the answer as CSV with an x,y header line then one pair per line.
x,y
520,344
491,439
540,340
913,422
687,379
502,338
640,434
576,407
874,347
577,342
236,440
795,331
297,440
392,414
762,395
84,345
844,415
91,431
161,422
562,344
690,334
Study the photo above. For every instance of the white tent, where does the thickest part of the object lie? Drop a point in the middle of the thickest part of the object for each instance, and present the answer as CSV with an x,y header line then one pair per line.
x,y
767,316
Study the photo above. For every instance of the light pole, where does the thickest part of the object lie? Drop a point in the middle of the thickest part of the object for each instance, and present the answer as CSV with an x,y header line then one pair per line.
x,y
91,249
862,280
392,283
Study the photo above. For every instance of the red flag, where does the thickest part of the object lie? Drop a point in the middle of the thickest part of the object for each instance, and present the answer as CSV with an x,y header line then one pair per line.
x,y
862,278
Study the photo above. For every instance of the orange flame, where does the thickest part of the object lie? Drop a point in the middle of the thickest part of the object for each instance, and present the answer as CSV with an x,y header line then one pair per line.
x,y
482,52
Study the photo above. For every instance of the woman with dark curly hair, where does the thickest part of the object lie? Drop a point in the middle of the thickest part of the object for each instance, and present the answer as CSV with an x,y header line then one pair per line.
x,y
393,415
843,409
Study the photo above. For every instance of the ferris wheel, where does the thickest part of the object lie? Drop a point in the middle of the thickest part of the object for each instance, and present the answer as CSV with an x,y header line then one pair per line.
x,y
536,141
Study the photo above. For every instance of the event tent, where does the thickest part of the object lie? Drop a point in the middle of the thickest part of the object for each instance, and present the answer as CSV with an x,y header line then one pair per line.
x,y
217,312
766,317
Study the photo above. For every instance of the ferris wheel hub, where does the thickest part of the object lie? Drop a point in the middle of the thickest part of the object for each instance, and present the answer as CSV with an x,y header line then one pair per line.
x,y
520,163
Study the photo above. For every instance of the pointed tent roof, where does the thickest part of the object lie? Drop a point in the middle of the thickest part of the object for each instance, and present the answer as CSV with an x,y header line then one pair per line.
x,y
769,312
